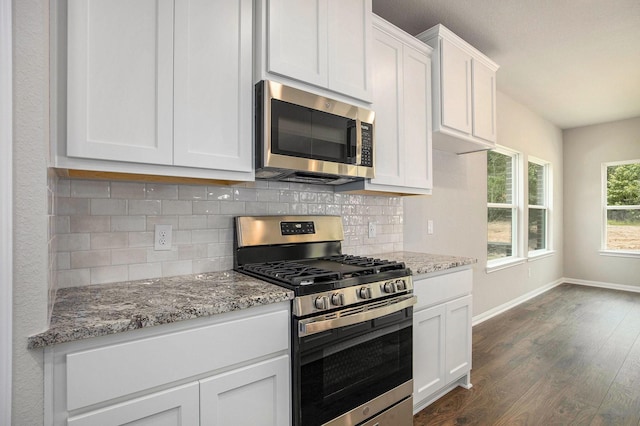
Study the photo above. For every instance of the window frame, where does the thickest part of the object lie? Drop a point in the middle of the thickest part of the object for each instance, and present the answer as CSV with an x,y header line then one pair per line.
x,y
516,206
546,206
604,250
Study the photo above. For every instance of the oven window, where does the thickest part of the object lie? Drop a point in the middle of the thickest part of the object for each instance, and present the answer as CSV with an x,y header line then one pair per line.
x,y
339,375
303,132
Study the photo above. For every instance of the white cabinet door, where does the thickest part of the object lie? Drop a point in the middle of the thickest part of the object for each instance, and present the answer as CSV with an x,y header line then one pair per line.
x,y
321,42
174,407
389,107
417,119
402,102
254,395
120,80
484,102
213,90
428,351
349,32
297,40
458,338
455,75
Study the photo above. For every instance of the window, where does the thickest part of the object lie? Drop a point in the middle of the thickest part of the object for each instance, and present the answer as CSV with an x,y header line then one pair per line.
x,y
502,205
538,224
622,206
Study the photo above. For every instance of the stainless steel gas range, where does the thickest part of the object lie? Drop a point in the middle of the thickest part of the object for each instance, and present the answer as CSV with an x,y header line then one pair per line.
x,y
351,320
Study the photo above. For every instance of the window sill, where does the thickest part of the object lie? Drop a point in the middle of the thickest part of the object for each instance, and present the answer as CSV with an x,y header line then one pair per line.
x,y
497,265
620,253
541,254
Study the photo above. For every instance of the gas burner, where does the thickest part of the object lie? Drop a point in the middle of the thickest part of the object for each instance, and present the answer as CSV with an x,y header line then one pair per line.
x,y
293,272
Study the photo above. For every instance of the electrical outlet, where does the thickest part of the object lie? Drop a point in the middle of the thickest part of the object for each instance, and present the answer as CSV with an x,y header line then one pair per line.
x,y
372,229
162,238
430,227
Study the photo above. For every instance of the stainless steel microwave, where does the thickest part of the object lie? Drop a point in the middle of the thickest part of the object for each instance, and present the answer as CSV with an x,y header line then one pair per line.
x,y
303,137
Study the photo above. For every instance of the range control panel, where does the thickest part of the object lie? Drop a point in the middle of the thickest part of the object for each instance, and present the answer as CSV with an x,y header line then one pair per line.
x,y
297,228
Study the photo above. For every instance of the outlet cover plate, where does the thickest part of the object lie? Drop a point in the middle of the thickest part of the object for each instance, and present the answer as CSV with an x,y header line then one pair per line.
x,y
162,237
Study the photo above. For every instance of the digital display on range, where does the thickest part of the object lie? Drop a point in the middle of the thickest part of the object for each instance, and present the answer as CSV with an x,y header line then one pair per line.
x,y
297,228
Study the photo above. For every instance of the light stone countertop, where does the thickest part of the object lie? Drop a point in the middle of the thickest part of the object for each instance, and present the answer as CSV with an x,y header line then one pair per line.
x,y
98,310
425,263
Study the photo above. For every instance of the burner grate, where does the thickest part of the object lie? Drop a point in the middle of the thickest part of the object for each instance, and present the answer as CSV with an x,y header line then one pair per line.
x,y
293,272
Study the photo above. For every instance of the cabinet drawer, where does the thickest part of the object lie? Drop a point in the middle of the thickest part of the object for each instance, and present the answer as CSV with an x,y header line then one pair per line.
x,y
441,288
109,372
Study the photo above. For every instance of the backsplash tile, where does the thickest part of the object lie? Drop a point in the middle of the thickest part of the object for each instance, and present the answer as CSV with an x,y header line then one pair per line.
x,y
103,231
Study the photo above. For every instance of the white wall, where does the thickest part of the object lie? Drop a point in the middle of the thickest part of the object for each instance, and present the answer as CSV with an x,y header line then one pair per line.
x,y
30,137
458,208
586,148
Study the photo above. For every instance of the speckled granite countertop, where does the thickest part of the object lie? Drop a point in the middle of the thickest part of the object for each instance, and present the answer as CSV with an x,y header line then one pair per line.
x,y
98,310
425,263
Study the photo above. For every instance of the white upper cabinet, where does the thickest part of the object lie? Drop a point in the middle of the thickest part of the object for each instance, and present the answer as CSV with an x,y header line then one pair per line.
x,y
402,104
318,42
213,91
120,80
464,86
157,82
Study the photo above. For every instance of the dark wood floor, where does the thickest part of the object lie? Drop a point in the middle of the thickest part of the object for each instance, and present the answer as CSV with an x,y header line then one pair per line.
x,y
570,356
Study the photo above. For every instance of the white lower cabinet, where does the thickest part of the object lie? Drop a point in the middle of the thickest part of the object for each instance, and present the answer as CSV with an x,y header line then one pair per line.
x,y
253,395
173,407
228,369
441,335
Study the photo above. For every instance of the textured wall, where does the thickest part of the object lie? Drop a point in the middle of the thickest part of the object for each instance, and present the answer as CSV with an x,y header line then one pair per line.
x,y
30,94
104,230
586,148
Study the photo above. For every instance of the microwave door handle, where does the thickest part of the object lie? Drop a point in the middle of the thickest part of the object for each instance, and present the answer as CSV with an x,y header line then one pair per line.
x,y
357,149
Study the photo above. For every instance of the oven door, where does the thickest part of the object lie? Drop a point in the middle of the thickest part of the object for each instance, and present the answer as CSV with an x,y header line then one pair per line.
x,y
351,373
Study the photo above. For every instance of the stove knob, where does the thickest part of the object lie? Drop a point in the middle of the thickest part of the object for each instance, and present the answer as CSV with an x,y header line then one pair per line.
x,y
322,302
389,287
337,299
364,293
401,285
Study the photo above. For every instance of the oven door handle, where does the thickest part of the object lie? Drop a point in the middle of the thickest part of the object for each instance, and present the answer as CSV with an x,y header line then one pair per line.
x,y
310,326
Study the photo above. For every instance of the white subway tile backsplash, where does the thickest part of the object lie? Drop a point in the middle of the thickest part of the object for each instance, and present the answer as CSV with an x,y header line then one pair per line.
x,y
108,207
128,223
176,207
128,256
146,207
219,193
73,278
141,239
162,255
103,231
192,222
109,274
89,223
158,191
232,207
72,206
128,190
90,258
73,242
179,267
192,192
206,236
206,207
141,271
90,189
109,240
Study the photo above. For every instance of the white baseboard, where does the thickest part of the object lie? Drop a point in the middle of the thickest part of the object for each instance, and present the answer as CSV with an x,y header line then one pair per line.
x,y
515,302
611,286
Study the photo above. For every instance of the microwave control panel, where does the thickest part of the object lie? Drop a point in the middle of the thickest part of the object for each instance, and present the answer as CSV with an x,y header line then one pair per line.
x,y
367,145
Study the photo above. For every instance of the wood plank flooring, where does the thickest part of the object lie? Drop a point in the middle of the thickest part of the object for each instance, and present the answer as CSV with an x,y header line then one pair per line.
x,y
570,356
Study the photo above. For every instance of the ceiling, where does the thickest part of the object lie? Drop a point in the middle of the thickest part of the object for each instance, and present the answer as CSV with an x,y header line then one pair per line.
x,y
574,62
